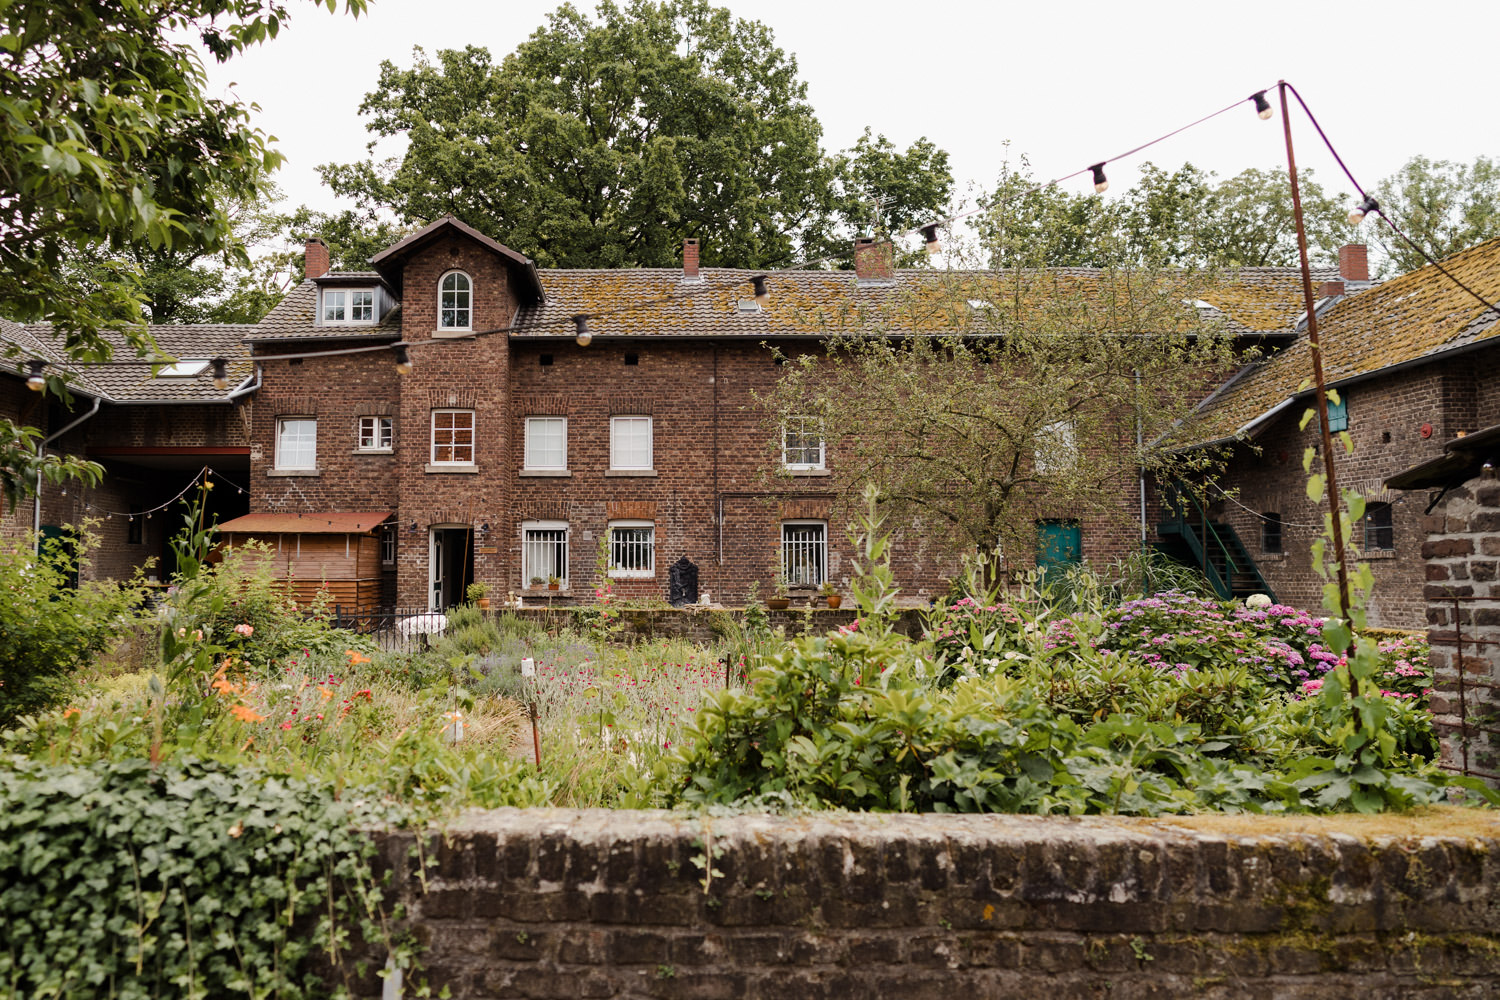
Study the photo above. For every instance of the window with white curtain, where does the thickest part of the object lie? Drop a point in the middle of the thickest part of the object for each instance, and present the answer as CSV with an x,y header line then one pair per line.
x,y
546,443
630,443
297,443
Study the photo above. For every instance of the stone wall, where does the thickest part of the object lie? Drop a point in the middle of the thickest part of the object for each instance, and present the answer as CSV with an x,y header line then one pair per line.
x,y
597,903
701,626
1462,553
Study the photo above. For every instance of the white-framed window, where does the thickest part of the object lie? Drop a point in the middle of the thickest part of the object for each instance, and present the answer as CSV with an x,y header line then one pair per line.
x,y
804,552
375,433
348,305
184,369
630,443
296,443
632,549
802,443
388,544
452,437
544,552
1056,448
546,443
455,301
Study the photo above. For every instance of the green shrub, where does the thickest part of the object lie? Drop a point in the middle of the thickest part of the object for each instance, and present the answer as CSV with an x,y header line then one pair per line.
x,y
48,627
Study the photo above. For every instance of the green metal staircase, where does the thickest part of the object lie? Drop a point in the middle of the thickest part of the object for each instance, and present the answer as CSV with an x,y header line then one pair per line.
x,y
1212,547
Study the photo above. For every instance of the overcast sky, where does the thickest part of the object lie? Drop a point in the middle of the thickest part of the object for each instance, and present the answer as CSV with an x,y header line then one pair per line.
x,y
1068,83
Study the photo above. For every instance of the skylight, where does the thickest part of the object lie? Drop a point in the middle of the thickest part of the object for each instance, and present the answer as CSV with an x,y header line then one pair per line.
x,y
184,369
977,304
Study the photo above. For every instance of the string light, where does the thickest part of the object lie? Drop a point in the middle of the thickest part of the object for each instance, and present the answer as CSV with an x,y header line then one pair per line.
x,y
583,336
35,380
930,237
221,373
1358,212
1101,183
762,296
403,360
1262,106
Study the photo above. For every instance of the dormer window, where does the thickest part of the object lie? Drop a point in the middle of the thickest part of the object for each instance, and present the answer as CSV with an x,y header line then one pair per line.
x,y
455,301
348,306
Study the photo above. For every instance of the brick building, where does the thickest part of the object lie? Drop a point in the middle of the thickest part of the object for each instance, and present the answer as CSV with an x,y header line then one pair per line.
x,y
517,441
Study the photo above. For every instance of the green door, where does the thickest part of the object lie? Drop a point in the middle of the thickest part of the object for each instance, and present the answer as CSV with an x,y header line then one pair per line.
x,y
1059,544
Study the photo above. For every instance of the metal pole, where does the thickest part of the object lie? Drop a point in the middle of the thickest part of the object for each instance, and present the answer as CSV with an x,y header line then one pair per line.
x,y
536,739
1317,362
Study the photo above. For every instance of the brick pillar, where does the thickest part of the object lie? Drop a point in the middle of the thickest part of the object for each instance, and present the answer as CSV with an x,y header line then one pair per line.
x,y
315,258
1354,262
1462,553
1330,289
873,261
690,259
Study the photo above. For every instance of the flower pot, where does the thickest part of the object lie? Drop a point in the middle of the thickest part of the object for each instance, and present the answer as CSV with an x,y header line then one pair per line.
x,y
483,603
554,586
778,603
834,600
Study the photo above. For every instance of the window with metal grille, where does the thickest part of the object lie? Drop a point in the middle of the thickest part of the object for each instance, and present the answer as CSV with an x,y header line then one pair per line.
x,y
454,301
544,552
1380,529
804,552
632,549
802,443
452,437
297,443
1270,532
630,443
546,443
388,545
374,433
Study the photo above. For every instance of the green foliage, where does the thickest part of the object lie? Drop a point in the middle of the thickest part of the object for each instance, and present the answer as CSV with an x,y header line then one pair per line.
x,y
50,628
191,879
22,464
1443,206
602,142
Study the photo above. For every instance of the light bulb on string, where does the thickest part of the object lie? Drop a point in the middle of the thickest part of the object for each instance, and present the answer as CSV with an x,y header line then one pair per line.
x,y
930,237
581,324
1358,212
762,296
35,380
1101,183
403,360
221,374
1262,106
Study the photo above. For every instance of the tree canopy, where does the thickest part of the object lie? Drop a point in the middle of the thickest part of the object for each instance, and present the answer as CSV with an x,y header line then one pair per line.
x,y
1443,206
603,142
107,141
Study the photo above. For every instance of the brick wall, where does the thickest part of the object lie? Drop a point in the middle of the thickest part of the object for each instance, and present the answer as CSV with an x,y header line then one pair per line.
x,y
599,903
1386,421
1462,554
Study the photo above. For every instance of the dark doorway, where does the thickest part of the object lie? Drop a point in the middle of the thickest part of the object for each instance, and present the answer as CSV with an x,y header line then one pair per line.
x,y
450,565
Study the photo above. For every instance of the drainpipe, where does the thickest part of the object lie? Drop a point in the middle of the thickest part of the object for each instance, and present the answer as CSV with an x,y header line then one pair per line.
x,y
41,449
1140,450
247,386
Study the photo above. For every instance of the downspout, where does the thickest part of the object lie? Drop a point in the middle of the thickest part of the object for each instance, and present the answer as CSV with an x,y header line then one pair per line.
x,y
247,386
719,501
1140,450
41,449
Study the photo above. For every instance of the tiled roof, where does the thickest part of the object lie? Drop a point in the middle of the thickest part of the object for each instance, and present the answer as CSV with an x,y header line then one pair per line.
x,y
803,303
295,318
318,523
131,382
1419,315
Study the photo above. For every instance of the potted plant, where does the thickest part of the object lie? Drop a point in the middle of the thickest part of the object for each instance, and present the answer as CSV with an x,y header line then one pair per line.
x,y
831,595
779,601
553,583
478,594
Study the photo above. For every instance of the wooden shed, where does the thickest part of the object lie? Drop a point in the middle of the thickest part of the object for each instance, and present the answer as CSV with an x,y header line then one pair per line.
x,y
335,551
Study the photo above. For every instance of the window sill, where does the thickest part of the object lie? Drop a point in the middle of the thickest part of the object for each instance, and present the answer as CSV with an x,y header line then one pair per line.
x,y
807,472
462,469
452,334
294,472
642,473
616,574
547,473
544,589
1273,557
373,451
1377,553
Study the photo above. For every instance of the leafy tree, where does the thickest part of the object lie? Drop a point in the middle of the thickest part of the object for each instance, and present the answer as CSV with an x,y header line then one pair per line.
x,y
879,190
1185,218
984,401
1444,206
108,140
603,142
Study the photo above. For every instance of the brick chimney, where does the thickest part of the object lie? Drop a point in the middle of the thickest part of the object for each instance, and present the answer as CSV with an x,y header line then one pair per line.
x,y
1354,262
873,261
690,259
1330,289
315,258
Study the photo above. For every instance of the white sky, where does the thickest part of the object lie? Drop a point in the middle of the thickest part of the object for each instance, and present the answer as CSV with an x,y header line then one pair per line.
x,y
1069,83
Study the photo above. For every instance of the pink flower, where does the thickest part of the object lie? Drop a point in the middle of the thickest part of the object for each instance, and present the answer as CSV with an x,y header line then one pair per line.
x,y
245,629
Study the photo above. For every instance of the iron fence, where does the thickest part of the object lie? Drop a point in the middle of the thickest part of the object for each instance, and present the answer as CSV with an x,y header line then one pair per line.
x,y
392,628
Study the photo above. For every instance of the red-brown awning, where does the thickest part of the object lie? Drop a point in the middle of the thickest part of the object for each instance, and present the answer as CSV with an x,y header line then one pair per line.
x,y
332,522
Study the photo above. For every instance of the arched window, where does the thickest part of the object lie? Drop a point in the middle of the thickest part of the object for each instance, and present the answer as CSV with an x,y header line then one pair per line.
x,y
455,301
